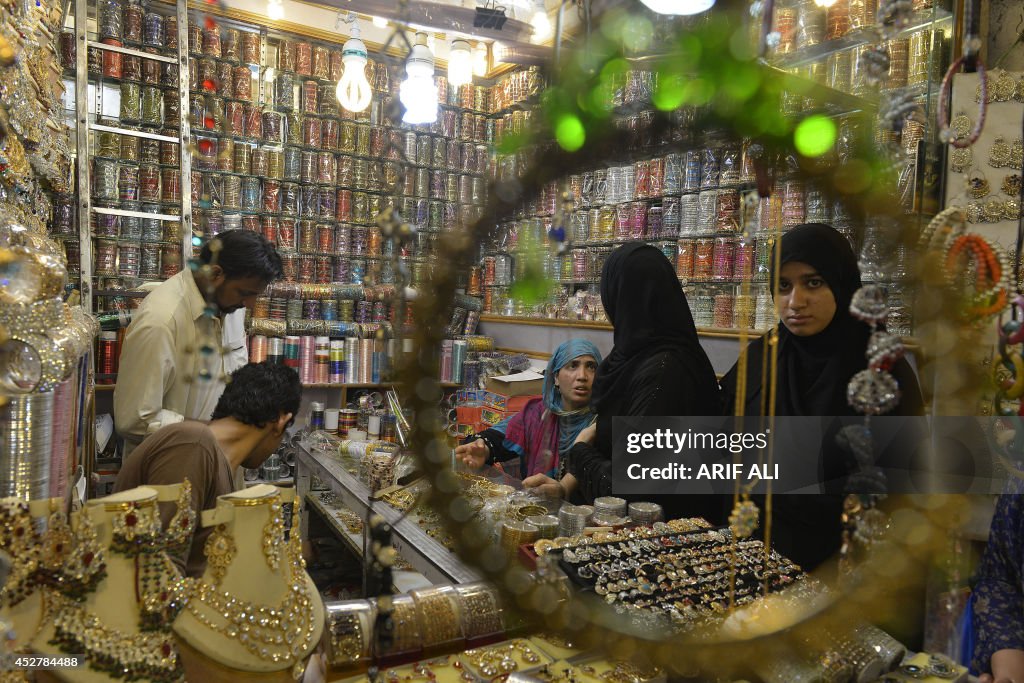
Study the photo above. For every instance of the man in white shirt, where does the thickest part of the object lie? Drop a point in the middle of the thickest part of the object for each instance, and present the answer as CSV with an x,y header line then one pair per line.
x,y
174,358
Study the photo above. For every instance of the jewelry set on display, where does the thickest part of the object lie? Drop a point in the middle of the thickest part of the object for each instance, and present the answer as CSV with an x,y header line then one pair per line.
x,y
1002,87
684,575
988,206
161,592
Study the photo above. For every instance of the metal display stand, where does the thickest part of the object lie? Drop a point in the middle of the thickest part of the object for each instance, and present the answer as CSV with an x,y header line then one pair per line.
x,y
83,147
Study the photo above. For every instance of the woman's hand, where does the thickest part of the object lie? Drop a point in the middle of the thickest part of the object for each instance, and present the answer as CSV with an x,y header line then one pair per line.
x,y
473,454
587,435
1007,667
543,485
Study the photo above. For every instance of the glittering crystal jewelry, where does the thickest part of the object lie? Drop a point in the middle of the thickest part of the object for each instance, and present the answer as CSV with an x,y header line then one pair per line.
x,y
19,541
150,656
279,633
1011,185
220,550
999,156
136,529
1011,209
874,391
273,533
977,94
974,213
993,210
1017,153
1003,87
86,565
178,535
162,592
743,518
874,64
961,159
977,185
56,542
961,125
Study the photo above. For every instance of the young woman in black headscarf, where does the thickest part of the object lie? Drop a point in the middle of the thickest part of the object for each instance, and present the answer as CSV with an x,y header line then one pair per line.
x,y
820,347
657,366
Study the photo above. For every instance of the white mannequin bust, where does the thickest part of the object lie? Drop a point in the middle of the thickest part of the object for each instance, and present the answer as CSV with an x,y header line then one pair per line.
x,y
251,568
107,620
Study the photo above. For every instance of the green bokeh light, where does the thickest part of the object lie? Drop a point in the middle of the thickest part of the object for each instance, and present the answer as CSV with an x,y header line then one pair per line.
x,y
670,92
741,82
570,133
637,33
698,91
814,136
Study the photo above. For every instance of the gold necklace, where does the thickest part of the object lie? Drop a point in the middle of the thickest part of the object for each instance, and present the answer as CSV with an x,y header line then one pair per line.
x,y
132,656
276,634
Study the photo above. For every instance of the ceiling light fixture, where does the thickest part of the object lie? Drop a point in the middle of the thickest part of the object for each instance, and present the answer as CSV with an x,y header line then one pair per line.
x,y
275,10
460,63
678,7
354,92
380,22
418,92
480,59
540,22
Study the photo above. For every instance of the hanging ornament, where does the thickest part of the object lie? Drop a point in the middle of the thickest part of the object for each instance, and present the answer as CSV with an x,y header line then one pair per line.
x,y
873,392
874,64
743,518
865,477
884,350
869,305
898,108
894,16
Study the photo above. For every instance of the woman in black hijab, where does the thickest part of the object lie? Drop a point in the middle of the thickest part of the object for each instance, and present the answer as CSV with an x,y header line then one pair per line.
x,y
657,366
821,346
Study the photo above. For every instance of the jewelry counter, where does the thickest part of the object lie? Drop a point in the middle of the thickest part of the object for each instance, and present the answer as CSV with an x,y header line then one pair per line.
x,y
421,550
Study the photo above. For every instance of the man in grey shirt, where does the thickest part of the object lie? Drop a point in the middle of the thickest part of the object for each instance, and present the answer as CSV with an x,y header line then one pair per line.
x,y
257,406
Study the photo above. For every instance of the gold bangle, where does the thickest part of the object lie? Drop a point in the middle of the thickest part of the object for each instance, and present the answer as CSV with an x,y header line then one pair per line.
x,y
439,619
481,615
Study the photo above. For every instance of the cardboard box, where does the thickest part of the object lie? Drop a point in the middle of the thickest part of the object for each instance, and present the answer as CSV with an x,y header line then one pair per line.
x,y
468,414
520,384
492,400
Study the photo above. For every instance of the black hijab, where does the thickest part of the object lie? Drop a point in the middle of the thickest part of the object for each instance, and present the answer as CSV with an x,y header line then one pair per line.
x,y
813,371
646,306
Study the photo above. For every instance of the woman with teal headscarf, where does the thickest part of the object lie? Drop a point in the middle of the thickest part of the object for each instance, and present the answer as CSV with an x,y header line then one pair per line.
x,y
547,426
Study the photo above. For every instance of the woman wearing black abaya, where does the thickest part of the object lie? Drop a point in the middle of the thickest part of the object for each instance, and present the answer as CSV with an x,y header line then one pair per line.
x,y
821,346
657,366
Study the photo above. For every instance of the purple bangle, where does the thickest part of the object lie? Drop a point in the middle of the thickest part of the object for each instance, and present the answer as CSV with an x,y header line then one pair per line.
x,y
943,116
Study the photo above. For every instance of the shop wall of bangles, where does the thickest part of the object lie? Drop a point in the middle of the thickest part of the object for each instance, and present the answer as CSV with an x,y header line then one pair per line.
x,y
380,593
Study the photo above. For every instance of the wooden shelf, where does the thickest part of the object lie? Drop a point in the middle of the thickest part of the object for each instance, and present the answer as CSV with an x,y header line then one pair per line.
x,y
911,343
370,385
602,325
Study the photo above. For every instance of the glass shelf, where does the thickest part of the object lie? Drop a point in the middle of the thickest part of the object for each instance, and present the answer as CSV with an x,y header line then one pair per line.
x,y
856,38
